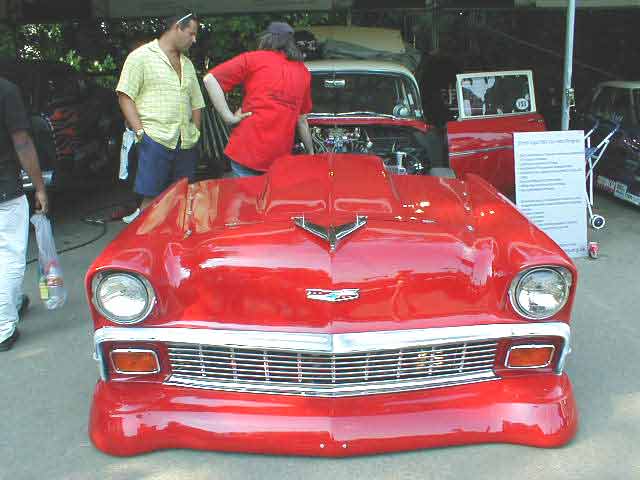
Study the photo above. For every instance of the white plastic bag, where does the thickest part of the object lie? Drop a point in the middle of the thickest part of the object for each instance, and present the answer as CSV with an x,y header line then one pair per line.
x,y
53,293
128,139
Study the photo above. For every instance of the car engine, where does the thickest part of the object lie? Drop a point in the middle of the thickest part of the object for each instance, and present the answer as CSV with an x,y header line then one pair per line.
x,y
403,150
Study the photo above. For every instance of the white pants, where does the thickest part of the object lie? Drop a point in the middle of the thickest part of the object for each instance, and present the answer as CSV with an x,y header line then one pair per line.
x,y
14,234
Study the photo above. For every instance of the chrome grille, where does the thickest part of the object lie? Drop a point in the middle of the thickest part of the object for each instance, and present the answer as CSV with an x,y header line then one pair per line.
x,y
324,374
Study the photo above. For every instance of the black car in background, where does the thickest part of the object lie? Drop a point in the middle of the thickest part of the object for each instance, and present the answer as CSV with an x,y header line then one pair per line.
x,y
618,172
76,123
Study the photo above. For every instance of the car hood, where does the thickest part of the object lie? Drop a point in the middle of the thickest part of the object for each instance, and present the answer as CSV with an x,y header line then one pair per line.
x,y
234,253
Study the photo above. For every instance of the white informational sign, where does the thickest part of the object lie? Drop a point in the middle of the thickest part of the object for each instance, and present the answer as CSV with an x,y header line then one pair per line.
x,y
550,185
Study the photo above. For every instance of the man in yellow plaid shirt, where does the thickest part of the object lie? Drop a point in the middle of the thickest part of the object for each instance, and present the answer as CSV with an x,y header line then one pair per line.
x,y
160,98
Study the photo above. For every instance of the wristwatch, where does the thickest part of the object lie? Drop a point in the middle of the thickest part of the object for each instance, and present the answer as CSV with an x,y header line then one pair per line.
x,y
139,134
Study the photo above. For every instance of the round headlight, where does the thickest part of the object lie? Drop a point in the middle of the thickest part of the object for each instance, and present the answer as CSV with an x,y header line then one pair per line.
x,y
540,293
123,297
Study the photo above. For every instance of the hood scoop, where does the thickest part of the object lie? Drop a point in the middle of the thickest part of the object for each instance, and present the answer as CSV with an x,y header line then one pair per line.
x,y
331,234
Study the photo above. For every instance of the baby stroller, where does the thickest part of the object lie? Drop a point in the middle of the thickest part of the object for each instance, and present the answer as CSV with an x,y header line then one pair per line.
x,y
593,154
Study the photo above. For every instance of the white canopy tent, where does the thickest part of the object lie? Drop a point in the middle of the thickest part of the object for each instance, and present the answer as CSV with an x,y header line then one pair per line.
x,y
22,10
29,10
160,8
32,11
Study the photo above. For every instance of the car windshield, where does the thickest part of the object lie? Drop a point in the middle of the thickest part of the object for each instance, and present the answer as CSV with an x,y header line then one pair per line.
x,y
612,103
364,94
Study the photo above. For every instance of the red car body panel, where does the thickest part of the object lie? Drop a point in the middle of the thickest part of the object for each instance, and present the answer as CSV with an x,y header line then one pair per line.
x,y
369,120
132,419
225,254
485,147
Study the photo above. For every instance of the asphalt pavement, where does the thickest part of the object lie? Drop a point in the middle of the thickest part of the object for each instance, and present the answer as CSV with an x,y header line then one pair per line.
x,y
46,384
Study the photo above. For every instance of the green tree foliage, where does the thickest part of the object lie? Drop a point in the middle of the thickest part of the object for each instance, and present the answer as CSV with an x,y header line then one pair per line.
x,y
101,46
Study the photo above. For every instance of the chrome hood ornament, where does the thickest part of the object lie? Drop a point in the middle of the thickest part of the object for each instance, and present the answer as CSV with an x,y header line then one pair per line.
x,y
343,295
331,234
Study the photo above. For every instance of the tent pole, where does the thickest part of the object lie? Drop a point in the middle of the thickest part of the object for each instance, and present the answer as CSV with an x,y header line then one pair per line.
x,y
431,11
568,97
15,40
435,26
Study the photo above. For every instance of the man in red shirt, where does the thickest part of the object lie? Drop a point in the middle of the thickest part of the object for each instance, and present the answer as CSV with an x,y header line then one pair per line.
x,y
277,97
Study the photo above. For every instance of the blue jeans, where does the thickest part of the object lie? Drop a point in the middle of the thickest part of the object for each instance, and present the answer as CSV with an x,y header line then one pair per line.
x,y
242,171
159,166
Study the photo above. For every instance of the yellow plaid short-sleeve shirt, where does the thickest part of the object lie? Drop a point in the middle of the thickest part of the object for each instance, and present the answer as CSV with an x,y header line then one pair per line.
x,y
164,102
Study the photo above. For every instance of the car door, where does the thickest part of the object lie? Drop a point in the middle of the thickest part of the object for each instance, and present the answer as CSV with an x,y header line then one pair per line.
x,y
491,106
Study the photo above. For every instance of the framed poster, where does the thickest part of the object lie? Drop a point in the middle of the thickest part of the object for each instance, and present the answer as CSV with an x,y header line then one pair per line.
x,y
490,94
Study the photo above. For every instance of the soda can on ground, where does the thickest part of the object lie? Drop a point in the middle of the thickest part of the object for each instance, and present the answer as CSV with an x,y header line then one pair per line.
x,y
594,249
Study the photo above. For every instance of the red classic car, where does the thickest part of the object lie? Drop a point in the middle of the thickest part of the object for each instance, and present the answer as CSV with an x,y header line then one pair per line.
x,y
364,106
331,308
371,107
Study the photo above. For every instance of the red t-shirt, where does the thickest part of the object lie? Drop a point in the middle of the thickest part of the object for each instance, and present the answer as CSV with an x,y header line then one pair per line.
x,y
277,91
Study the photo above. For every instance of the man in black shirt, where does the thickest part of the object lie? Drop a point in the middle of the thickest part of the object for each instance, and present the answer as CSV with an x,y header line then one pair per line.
x,y
16,150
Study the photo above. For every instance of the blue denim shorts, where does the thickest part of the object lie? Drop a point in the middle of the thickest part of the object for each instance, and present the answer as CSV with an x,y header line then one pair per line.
x,y
238,170
159,166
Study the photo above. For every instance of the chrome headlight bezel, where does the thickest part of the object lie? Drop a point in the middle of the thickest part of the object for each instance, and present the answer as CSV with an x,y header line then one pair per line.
x,y
150,301
564,274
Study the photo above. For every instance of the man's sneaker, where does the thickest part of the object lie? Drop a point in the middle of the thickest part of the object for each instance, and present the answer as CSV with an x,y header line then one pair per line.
x,y
121,211
132,217
8,343
24,304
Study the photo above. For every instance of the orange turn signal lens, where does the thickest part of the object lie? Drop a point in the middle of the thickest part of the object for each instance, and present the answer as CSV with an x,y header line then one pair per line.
x,y
530,356
135,362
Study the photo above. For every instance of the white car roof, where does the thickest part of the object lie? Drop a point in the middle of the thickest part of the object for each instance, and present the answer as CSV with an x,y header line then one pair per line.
x,y
364,66
620,84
